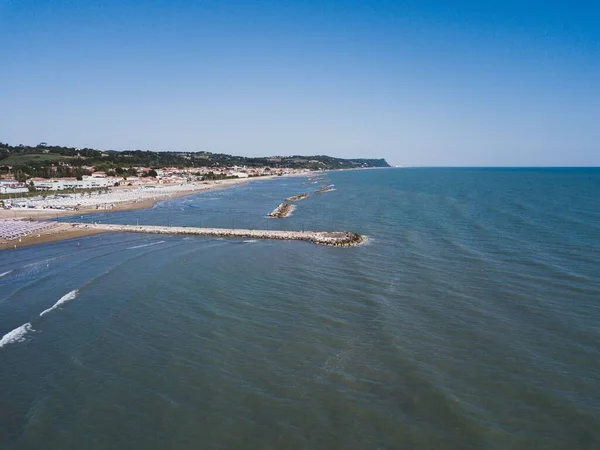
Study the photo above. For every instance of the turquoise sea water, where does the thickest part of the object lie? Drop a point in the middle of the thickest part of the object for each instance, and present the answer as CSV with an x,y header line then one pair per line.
x,y
469,319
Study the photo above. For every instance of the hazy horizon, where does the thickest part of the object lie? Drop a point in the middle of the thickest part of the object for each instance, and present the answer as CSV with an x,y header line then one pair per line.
x,y
421,85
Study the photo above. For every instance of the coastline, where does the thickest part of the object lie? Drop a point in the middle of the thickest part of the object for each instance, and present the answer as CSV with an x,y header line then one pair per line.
x,y
61,232
64,230
39,214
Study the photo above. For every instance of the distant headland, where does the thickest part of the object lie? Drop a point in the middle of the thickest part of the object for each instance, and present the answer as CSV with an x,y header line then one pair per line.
x,y
53,161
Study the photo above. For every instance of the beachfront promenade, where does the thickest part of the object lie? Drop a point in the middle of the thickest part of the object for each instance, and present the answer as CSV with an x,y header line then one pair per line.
x,y
332,239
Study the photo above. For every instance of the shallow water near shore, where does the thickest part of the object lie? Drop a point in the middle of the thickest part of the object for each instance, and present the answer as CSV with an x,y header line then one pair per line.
x,y
469,319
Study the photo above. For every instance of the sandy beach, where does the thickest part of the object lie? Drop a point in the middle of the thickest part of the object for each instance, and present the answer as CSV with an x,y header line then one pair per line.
x,y
65,231
61,232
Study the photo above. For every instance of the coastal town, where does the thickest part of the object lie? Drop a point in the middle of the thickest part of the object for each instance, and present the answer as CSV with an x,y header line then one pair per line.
x,y
42,183
50,192
28,206
25,207
14,193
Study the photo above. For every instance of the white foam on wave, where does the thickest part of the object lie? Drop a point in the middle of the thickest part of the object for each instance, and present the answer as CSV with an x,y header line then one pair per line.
x,y
250,241
145,245
36,267
16,335
367,240
65,298
5,273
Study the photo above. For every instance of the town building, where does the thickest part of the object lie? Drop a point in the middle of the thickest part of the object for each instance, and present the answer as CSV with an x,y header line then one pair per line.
x,y
11,187
60,184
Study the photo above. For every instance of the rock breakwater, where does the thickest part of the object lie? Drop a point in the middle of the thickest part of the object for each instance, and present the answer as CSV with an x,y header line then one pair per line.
x,y
295,198
329,238
324,189
282,211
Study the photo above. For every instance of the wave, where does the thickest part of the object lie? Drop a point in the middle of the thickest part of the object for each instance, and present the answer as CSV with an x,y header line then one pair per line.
x,y
32,273
16,335
145,245
5,273
367,240
36,267
250,241
25,272
65,298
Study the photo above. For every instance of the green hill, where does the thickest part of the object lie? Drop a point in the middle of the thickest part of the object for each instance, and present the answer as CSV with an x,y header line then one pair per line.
x,y
36,161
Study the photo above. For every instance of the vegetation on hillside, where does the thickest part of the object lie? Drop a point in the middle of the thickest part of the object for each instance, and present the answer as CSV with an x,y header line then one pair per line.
x,y
39,160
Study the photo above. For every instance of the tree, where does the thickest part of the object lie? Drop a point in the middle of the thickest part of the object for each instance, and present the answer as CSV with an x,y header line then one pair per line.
x,y
79,177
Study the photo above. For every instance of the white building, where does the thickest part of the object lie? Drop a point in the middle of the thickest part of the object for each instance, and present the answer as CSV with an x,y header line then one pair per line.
x,y
59,184
13,188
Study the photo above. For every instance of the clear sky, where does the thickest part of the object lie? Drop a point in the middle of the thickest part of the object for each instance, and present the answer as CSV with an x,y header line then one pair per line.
x,y
420,83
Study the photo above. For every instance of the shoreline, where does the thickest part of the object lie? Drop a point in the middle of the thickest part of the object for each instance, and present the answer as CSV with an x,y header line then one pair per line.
x,y
64,230
46,214
61,232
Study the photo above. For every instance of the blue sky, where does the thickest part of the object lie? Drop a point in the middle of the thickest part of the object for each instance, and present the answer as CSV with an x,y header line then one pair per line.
x,y
509,83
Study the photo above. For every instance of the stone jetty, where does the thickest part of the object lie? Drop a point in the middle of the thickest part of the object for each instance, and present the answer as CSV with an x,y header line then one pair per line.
x,y
329,238
325,189
282,211
295,198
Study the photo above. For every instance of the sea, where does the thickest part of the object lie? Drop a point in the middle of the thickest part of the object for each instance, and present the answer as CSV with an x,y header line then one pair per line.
x,y
468,319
